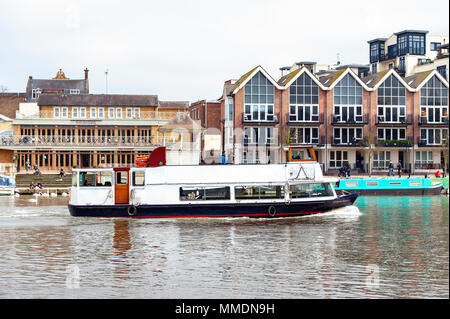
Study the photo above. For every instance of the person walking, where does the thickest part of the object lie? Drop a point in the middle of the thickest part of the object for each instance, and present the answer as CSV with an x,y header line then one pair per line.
x,y
391,169
399,169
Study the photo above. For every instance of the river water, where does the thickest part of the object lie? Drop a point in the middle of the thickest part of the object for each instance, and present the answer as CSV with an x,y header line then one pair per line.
x,y
383,247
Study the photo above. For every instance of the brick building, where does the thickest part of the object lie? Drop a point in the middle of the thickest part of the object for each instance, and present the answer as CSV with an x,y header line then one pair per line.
x,y
383,116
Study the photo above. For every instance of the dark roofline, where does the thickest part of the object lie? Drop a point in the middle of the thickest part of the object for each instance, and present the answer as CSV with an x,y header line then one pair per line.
x,y
98,100
353,66
411,31
306,63
377,40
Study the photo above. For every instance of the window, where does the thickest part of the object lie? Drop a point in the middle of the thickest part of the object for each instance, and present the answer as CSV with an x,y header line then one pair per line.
x,y
304,135
56,113
259,192
412,43
374,68
119,113
310,190
381,159
139,178
74,91
204,193
110,112
391,101
304,100
376,51
129,113
442,71
434,46
391,134
433,136
35,93
434,101
137,113
64,112
258,135
259,99
424,157
74,112
122,177
97,179
230,111
93,113
101,113
348,100
82,112
347,135
338,158
402,66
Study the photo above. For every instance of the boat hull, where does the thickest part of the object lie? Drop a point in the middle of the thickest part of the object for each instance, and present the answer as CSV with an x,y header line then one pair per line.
x,y
213,210
394,192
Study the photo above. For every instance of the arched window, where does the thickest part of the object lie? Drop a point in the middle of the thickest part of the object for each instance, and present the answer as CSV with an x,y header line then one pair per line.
x,y
259,99
392,101
304,100
348,100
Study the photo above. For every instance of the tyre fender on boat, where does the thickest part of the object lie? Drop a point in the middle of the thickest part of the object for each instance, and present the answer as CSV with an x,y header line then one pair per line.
x,y
131,210
271,211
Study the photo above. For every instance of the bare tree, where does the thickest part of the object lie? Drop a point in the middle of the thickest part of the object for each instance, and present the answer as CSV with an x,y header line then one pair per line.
x,y
369,141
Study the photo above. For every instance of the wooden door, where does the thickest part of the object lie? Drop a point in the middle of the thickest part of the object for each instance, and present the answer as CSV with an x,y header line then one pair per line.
x,y
122,186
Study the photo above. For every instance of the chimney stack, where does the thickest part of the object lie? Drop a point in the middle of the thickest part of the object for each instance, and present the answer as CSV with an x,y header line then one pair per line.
x,y
86,79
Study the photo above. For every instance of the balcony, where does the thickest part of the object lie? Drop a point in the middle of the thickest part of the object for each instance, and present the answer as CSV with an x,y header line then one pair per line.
x,y
256,118
357,120
262,142
423,121
34,142
355,143
402,121
432,166
320,141
315,120
396,143
428,143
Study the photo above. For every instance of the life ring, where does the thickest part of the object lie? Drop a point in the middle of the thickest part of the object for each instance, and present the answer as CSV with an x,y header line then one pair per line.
x,y
132,210
271,211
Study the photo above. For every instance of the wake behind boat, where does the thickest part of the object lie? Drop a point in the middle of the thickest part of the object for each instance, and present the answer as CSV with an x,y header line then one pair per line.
x,y
160,191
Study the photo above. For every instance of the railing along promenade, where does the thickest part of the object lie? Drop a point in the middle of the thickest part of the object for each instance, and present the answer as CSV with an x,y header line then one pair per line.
x,y
90,141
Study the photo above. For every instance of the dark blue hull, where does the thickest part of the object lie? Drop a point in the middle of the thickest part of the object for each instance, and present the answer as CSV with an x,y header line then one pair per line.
x,y
213,210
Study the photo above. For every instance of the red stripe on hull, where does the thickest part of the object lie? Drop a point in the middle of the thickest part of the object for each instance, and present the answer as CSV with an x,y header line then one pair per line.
x,y
200,216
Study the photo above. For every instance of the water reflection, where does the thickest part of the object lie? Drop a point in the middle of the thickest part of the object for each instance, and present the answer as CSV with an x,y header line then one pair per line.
x,y
403,239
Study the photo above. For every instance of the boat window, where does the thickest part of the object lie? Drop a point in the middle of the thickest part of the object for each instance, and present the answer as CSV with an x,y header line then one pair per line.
x,y
395,183
415,183
372,184
97,179
204,193
122,177
310,190
138,178
259,192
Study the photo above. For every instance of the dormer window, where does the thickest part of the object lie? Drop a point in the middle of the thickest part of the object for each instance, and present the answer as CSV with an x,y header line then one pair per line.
x,y
35,93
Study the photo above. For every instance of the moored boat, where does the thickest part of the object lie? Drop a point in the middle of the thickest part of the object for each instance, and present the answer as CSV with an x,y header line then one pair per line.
x,y
156,190
389,186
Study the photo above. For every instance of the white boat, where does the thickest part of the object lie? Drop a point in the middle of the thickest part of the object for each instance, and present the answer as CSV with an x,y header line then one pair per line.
x,y
161,191
7,185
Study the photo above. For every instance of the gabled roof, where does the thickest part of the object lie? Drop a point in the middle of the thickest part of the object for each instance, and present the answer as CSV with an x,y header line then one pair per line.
x,y
416,81
247,76
286,80
331,80
380,77
372,80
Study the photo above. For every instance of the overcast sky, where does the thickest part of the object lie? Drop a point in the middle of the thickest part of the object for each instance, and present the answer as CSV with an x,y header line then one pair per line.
x,y
185,50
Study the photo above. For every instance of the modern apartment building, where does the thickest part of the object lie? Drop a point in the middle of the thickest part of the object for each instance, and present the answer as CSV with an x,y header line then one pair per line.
x,y
346,118
410,52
